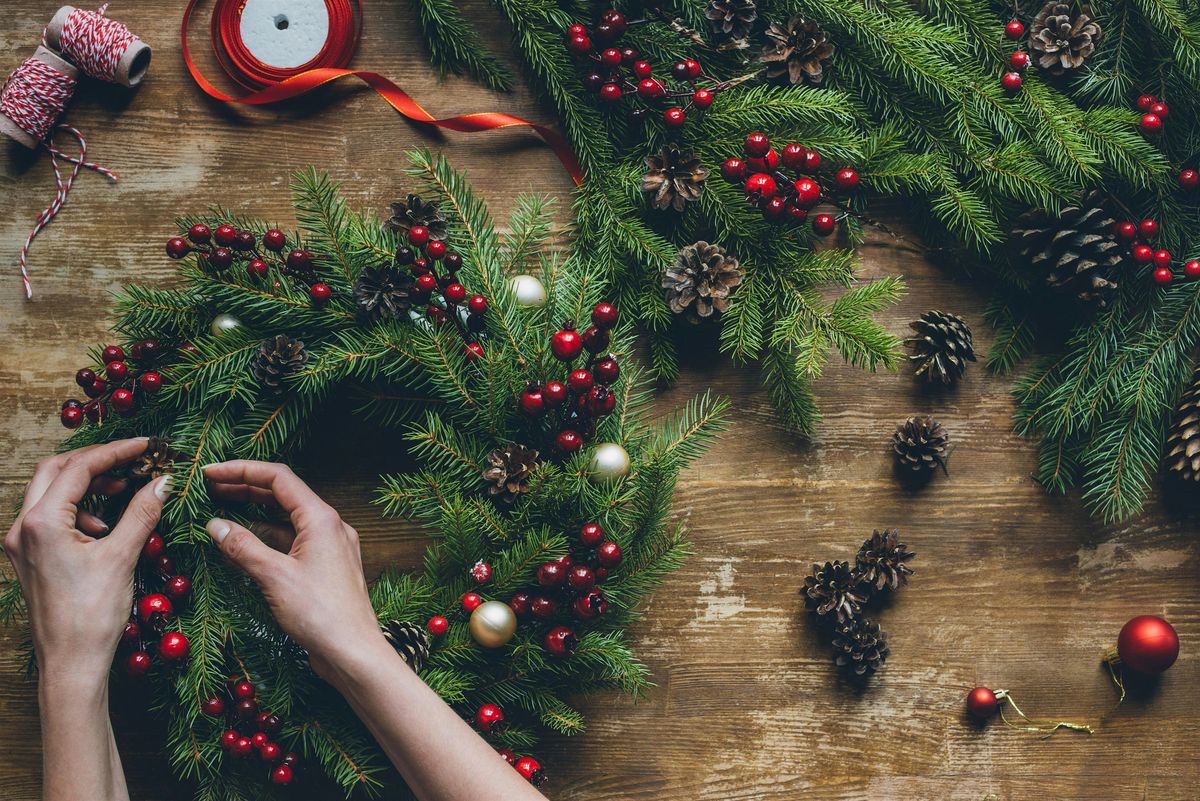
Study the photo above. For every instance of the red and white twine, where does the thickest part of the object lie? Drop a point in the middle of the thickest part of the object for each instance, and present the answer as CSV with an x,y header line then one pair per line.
x,y
93,42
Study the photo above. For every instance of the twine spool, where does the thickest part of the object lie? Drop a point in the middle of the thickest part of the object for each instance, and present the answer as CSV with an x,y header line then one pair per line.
x,y
35,95
102,48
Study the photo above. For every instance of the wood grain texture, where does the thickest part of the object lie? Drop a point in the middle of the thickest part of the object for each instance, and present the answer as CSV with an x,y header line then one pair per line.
x,y
1013,589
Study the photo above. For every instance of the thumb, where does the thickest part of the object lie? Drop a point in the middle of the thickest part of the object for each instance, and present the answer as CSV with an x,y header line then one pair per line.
x,y
140,517
244,549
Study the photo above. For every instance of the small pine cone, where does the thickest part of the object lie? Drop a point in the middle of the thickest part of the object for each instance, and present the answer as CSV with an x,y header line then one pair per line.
x,y
1062,36
414,211
880,561
384,292
732,20
798,52
942,346
673,178
508,472
1074,252
156,460
920,445
1183,440
409,640
699,282
860,646
831,591
278,356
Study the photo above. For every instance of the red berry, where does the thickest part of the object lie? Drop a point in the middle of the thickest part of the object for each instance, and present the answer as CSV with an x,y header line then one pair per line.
x,y
281,775
519,603
808,192
560,641
532,402
1014,29
154,546
455,293
229,737
1189,179
1148,228
702,98
595,339
1126,230
606,371
641,69
320,292
418,235
766,163
247,709
774,209
1142,254
178,587
591,534
760,186
177,247
1011,81
608,554
591,605
812,162
551,574
259,739
155,606
166,565
426,283
733,170
581,578
1160,110
674,117
1192,270
569,441
1019,60
577,30
199,234
116,371
982,703
481,571
112,353
473,351
150,382
438,625
71,417
600,401
477,304
756,144
137,663
508,755
95,411
471,601
580,380
543,608
846,179
611,58
1144,102
650,88
436,249
174,647
793,156
489,718
299,260
270,752
290,758
610,93
566,343
579,44
85,377
693,69
225,235
1162,276
242,747
554,393
1162,258
243,690
244,241
213,706
1151,123
274,240
131,634
529,768
824,224
605,315
256,268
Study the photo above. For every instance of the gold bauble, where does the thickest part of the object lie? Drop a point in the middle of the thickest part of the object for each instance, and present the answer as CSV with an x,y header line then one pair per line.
x,y
224,322
493,624
528,291
610,462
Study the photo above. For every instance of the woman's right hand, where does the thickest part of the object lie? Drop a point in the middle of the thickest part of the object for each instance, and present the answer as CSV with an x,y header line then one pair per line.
x,y
314,582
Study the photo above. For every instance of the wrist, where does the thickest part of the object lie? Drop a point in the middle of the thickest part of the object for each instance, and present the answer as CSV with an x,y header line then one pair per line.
x,y
349,670
78,687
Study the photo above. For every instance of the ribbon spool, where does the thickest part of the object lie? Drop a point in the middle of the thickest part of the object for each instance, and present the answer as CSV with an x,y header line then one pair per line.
x,y
102,48
243,42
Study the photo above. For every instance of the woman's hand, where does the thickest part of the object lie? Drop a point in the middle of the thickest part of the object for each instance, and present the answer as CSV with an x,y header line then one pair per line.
x,y
79,589
314,581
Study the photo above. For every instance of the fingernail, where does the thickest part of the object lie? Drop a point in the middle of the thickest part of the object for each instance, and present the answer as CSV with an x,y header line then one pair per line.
x,y
206,466
217,529
163,488
103,527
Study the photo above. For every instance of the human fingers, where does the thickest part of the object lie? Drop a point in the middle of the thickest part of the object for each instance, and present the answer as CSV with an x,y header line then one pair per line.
x,y
80,468
293,495
89,524
139,519
278,536
241,493
107,485
247,551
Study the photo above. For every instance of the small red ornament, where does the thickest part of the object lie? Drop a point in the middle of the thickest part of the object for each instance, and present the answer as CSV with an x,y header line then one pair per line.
x,y
150,381
580,380
604,316
1162,275
436,249
595,339
566,343
85,377
268,723
1019,60
154,606
71,417
290,758
774,209
155,544
1151,123
760,186
808,192
607,370
560,641
610,57
177,247
270,752
225,235
508,755
1144,102
642,69
1192,270
812,162
281,775
274,240
674,117
259,739
1142,254
244,241
1147,644
532,402
229,737
733,170
650,88
1160,110
220,258
846,179
418,235
178,587
213,706
765,163
569,441
299,260
1162,258
1126,230
112,353
481,571
489,719
455,293
477,304
471,601
551,574
1148,228
581,578
520,604
320,292
137,663
243,690
982,703
116,370
1011,81
756,144
131,633
554,393
792,156
247,709
702,98
473,351
824,224
610,93
242,747
199,234
174,646
1014,29
529,768
591,534
608,554
438,625
579,44
542,607
426,283
591,605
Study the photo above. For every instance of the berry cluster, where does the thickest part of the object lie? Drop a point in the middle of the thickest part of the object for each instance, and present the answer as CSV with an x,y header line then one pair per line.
x,y
489,719
453,304
1018,61
781,197
221,247
1154,112
249,728
119,385
152,611
613,73
1139,236
584,397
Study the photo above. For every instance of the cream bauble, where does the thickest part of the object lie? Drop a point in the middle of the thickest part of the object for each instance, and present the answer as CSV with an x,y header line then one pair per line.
x,y
610,462
528,291
224,322
493,624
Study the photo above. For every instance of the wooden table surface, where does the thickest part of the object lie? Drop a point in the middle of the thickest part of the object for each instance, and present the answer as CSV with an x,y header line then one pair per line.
x,y
1013,589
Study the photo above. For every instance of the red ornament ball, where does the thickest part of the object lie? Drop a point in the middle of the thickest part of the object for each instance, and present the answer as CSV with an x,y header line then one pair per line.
x,y
812,162
1148,228
508,755
178,587
808,192
1144,102
641,69
71,417
982,703
481,572
1142,254
229,737
756,144
1162,276
131,633
477,304
213,706
435,249
244,241
650,88
154,606
1189,179
270,752
591,605
824,224
591,534
426,283
1014,29
608,554
580,380
455,293
610,93
281,775
274,240
259,739
489,718
418,235
243,690
300,260
604,316
551,574
225,235
542,607
554,393
199,234
174,646
1011,81
569,441
150,382
1192,270
760,186
471,601
438,625
1160,110
1148,644
566,343
1126,230
733,170
579,44
473,351
320,292
702,98
1019,60
116,370
177,247
581,578
766,163
247,709
607,370
674,117
530,770
846,179
520,604
611,57
1151,123
137,663
85,377
532,402
1162,258
560,641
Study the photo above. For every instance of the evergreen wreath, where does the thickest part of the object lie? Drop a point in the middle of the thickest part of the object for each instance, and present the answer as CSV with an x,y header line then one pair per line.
x,y
246,354
978,114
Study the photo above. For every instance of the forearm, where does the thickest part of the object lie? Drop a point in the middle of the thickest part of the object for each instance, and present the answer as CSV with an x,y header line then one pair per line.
x,y
439,755
79,752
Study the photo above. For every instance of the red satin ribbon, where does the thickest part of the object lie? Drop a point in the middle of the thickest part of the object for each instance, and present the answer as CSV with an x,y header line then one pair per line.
x,y
329,65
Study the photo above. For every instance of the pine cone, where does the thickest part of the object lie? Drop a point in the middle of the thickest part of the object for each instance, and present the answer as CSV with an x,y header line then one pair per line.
x,y
1183,441
700,281
860,646
674,177
409,640
384,292
880,561
942,346
798,51
1077,251
731,19
278,357
508,472
831,592
156,460
920,445
414,211
1062,36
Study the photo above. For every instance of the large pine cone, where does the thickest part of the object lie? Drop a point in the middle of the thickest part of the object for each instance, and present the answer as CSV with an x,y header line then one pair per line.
x,y
1076,252
731,19
860,646
832,592
942,346
880,561
278,356
508,472
1062,36
699,282
384,292
414,211
920,446
798,51
409,640
1183,441
673,178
